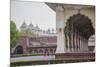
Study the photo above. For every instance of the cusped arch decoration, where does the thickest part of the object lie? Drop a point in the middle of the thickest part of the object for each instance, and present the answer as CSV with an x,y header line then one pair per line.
x,y
81,23
78,25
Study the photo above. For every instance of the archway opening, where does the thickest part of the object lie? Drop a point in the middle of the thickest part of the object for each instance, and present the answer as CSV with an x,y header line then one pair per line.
x,y
19,50
77,31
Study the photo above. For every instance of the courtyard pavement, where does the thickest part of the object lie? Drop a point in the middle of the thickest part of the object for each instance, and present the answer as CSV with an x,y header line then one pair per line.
x,y
32,58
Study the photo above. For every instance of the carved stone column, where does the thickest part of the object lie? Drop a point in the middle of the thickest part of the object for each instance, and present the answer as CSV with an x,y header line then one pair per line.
x,y
61,47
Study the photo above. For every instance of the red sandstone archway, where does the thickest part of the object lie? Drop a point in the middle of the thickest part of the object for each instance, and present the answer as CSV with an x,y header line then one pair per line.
x,y
19,50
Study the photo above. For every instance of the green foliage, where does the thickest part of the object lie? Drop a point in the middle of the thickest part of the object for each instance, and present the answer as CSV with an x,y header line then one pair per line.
x,y
35,54
14,34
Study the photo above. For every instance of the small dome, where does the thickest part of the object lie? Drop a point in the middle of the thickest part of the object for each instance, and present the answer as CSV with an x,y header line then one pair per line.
x,y
37,27
48,30
31,26
24,25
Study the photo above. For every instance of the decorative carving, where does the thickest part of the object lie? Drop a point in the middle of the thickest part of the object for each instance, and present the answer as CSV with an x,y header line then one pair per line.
x,y
77,26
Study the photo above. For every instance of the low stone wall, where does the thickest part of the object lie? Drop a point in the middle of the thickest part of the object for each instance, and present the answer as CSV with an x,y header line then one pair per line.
x,y
72,56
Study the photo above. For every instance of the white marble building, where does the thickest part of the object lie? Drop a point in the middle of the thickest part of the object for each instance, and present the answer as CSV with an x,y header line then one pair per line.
x,y
37,30
83,16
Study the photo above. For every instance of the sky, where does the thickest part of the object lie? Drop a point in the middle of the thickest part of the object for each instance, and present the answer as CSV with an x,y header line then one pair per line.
x,y
37,13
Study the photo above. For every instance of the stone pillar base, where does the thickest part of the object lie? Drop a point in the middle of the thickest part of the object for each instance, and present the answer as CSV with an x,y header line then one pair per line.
x,y
75,56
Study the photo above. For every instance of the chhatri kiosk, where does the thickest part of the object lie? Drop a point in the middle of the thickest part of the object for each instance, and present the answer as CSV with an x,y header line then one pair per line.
x,y
75,24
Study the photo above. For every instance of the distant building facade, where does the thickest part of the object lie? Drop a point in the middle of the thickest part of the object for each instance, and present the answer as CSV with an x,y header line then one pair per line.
x,y
44,43
37,30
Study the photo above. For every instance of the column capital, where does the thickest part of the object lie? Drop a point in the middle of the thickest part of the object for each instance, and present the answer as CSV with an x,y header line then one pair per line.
x,y
59,8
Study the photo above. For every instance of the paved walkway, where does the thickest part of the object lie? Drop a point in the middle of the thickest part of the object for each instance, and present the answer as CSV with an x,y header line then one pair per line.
x,y
32,58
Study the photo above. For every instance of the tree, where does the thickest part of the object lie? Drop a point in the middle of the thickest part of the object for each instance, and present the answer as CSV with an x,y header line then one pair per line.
x,y
14,34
